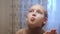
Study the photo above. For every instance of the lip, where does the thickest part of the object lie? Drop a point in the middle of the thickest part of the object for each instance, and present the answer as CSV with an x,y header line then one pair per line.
x,y
32,19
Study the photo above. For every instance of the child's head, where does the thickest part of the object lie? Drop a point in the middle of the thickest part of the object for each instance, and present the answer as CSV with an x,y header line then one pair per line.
x,y
37,16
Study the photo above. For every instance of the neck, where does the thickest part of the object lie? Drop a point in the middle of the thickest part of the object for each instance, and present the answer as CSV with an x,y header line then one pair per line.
x,y
36,30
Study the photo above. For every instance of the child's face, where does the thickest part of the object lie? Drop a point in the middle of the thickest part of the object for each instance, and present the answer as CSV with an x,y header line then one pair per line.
x,y
35,16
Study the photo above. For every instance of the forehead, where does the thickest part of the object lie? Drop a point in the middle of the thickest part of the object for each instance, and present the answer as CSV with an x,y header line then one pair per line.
x,y
37,7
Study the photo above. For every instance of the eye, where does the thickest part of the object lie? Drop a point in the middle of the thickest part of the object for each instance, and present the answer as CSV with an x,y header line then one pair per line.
x,y
39,11
31,10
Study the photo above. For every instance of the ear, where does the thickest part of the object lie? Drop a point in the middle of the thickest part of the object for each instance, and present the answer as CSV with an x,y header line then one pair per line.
x,y
45,20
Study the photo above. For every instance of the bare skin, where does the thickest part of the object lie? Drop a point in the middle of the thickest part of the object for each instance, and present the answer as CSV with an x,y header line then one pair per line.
x,y
35,20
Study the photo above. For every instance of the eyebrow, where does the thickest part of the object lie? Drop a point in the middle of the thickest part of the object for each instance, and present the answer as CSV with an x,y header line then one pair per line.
x,y
34,9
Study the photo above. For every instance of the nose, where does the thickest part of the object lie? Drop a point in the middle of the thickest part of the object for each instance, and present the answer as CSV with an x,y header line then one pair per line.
x,y
33,14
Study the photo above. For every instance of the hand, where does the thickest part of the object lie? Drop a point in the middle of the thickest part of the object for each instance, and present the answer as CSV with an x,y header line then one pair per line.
x,y
53,31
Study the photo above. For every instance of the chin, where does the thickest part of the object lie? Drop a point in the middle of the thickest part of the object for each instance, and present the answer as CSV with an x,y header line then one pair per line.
x,y
32,22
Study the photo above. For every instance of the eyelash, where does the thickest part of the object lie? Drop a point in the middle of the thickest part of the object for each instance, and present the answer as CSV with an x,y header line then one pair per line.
x,y
31,10
39,12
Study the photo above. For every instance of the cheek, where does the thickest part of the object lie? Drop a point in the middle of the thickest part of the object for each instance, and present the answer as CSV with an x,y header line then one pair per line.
x,y
39,16
29,15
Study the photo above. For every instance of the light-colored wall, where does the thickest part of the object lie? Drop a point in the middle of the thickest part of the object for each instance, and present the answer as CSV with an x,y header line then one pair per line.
x,y
9,16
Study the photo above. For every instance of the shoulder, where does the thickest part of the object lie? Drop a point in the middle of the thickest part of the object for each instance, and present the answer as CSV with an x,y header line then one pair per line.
x,y
21,31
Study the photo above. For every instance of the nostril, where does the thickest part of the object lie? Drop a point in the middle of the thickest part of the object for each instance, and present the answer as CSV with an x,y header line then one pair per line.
x,y
33,15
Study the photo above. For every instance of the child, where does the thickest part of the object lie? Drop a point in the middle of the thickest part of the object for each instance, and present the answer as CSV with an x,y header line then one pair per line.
x,y
36,19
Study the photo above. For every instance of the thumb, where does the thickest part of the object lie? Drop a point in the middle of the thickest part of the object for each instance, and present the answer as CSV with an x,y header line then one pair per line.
x,y
47,33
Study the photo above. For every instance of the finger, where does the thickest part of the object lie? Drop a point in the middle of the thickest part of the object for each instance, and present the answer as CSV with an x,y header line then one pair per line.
x,y
47,33
53,31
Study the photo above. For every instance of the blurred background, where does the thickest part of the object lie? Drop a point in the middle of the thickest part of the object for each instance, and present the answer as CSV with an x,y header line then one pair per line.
x,y
52,6
13,12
